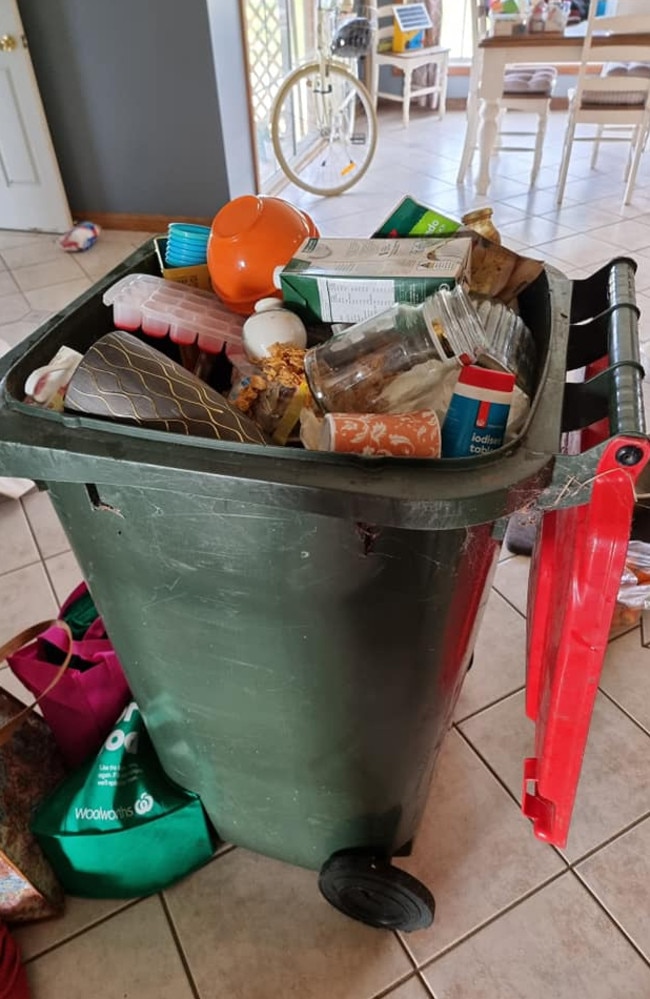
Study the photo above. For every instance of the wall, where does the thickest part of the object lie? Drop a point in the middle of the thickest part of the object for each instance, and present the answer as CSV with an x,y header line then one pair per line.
x,y
131,99
227,30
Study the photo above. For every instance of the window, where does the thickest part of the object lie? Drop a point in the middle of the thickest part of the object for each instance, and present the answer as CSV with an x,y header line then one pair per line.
x,y
457,28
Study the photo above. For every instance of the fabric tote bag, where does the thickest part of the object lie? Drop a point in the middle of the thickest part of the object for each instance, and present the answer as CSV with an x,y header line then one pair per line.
x,y
83,706
30,768
118,827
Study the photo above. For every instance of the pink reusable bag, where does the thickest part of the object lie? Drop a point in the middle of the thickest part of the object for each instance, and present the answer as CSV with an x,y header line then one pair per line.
x,y
81,709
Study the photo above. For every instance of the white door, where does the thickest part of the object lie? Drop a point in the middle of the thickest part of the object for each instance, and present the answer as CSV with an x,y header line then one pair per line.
x,y
31,190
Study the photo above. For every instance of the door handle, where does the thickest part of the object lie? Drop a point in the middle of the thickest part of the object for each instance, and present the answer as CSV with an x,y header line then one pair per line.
x,y
8,43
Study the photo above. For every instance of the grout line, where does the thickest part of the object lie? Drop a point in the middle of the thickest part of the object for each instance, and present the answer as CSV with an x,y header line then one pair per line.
x,y
425,985
621,929
492,704
505,787
32,531
612,700
570,864
622,634
179,947
394,985
8,572
492,919
507,599
84,929
122,907
51,583
222,851
610,839
405,948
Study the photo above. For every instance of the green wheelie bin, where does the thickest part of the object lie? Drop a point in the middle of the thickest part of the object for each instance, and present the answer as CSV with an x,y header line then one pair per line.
x,y
295,626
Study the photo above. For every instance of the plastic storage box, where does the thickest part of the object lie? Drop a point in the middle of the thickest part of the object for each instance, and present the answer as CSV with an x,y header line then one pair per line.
x,y
161,308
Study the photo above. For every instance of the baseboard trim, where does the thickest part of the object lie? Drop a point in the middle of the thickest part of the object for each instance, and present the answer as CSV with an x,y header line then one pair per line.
x,y
460,104
138,222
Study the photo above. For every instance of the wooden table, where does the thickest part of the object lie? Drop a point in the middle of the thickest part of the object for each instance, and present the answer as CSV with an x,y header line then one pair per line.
x,y
502,50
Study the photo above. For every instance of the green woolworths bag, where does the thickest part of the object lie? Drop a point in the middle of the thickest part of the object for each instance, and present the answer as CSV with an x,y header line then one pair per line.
x,y
118,827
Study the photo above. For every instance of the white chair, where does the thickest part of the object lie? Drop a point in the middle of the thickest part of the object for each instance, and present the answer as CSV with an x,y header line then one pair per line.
x,y
619,105
527,88
407,63
627,69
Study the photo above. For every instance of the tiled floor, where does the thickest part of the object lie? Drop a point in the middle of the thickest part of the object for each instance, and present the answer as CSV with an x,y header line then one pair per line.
x,y
516,919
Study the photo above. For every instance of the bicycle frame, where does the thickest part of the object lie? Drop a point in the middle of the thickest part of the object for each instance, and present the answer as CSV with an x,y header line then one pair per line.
x,y
327,95
326,12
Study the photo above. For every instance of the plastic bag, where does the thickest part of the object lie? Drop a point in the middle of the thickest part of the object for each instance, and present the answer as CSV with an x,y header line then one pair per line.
x,y
118,827
634,590
274,391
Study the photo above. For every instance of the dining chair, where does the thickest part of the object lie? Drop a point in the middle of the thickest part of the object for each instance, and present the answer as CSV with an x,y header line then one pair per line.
x,y
619,69
432,57
527,88
618,101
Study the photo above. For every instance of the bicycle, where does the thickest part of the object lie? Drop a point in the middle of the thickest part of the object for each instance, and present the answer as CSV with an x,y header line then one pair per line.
x,y
323,121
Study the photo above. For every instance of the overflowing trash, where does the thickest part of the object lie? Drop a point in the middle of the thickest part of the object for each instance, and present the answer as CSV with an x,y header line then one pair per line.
x,y
406,344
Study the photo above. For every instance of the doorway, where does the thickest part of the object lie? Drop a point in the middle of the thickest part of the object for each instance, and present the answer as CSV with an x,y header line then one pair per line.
x,y
279,34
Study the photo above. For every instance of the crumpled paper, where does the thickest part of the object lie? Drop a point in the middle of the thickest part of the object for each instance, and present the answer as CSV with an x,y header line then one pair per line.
x,y
13,488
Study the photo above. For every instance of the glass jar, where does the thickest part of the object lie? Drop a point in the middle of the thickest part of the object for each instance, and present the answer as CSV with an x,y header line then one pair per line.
x,y
480,220
557,15
350,372
537,17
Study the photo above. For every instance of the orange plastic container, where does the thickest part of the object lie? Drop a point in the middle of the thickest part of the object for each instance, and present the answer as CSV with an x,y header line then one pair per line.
x,y
250,237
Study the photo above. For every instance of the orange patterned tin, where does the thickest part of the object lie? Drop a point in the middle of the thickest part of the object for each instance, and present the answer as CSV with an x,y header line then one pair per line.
x,y
402,435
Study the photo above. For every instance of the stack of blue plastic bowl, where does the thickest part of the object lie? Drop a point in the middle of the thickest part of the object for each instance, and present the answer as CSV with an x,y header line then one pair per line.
x,y
187,245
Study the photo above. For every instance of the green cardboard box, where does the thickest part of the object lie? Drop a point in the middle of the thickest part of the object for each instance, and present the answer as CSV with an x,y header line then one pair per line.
x,y
349,280
409,218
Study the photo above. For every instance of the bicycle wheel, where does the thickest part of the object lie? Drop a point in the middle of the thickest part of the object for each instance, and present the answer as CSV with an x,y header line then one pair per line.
x,y
323,128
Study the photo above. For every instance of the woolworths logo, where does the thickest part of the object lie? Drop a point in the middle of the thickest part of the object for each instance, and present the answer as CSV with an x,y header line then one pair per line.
x,y
140,806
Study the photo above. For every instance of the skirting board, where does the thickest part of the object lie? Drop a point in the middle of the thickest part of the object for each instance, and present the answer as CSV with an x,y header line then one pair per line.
x,y
138,223
460,103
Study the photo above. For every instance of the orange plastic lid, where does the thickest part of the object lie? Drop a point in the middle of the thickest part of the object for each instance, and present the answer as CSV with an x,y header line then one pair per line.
x,y
237,216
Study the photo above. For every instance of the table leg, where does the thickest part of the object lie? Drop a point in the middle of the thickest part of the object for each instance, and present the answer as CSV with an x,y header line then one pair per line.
x,y
470,139
487,139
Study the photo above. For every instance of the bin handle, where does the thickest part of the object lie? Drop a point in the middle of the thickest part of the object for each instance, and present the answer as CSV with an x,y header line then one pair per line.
x,y
617,389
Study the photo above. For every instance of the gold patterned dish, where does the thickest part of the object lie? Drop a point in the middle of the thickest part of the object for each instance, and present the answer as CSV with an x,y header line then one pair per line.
x,y
122,379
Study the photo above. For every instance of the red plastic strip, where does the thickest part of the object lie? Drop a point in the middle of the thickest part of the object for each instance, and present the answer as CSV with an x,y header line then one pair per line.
x,y
575,576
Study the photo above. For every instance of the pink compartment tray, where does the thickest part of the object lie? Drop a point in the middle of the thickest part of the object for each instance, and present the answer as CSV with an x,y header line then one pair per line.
x,y
164,308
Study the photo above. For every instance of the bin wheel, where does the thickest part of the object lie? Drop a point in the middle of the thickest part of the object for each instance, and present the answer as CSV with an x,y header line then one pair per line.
x,y
371,890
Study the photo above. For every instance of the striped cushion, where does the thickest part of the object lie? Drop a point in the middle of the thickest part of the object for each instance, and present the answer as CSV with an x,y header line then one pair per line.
x,y
619,98
537,81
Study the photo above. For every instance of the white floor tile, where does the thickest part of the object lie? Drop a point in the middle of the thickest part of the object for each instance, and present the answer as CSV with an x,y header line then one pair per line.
x,y
10,238
57,296
613,791
8,286
131,955
17,545
13,307
558,943
42,275
474,850
64,574
25,598
45,524
15,333
32,252
80,914
581,250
